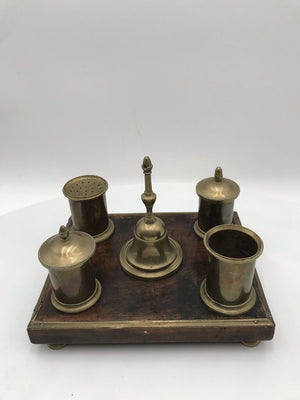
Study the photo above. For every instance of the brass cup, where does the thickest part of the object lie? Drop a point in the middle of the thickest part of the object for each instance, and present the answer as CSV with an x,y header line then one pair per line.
x,y
232,252
86,195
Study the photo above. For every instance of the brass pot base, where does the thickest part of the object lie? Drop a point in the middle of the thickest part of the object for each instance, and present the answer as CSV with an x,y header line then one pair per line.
x,y
199,232
223,308
151,275
102,236
78,307
106,234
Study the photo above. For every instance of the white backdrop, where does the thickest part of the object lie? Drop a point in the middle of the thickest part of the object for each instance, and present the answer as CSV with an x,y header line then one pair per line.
x,y
92,87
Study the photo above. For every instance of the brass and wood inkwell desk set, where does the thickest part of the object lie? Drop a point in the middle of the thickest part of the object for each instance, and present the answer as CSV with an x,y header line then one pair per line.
x,y
132,278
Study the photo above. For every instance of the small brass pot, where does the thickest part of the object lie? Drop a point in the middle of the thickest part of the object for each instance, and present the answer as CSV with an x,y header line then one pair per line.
x,y
67,257
232,250
86,195
216,202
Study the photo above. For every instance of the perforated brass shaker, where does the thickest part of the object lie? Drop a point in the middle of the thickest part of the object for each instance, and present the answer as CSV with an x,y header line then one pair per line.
x,y
87,201
151,254
216,202
232,250
67,257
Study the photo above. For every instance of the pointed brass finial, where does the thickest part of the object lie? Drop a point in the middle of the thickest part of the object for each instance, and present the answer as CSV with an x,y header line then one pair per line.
x,y
218,174
151,254
148,197
63,232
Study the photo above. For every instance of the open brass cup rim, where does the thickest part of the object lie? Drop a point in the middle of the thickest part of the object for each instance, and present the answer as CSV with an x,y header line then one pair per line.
x,y
233,227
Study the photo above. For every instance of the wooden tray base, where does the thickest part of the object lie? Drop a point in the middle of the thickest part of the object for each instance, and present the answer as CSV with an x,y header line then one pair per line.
x,y
169,310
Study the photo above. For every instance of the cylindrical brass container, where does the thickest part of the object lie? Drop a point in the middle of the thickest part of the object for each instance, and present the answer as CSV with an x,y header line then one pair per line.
x,y
216,201
67,258
87,201
233,250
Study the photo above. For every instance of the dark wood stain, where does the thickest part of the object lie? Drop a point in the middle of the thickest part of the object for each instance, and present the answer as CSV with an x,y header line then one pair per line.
x,y
137,303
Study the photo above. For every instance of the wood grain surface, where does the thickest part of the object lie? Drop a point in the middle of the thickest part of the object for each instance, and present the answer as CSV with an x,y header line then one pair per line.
x,y
135,311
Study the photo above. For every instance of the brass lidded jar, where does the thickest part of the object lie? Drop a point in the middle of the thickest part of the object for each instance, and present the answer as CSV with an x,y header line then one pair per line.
x,y
67,257
216,202
86,195
232,253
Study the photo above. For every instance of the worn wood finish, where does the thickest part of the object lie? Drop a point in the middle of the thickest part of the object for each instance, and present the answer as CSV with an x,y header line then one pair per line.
x,y
134,311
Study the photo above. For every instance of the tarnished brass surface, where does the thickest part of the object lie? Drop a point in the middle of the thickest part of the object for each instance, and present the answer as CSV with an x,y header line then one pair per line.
x,y
87,201
105,234
78,307
151,254
56,346
67,258
155,273
251,344
216,202
232,250
137,311
66,250
231,310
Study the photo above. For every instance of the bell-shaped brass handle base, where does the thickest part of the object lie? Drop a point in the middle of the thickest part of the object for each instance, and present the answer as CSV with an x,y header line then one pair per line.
x,y
150,254
138,263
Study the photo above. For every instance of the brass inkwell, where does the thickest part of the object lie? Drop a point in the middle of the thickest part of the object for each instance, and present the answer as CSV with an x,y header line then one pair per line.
x,y
216,201
151,254
87,201
210,287
67,258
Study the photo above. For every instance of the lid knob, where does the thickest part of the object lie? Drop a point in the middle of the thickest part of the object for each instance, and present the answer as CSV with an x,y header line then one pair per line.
x,y
218,174
63,232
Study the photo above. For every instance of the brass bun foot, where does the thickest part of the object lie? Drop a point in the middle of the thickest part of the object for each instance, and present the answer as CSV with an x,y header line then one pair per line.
x,y
251,344
223,308
199,232
149,274
54,346
78,307
106,234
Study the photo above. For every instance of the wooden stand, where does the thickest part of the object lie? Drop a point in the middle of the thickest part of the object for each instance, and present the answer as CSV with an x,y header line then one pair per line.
x,y
134,311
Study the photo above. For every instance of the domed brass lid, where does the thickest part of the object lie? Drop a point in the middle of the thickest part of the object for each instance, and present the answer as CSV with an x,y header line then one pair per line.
x,y
218,188
67,249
